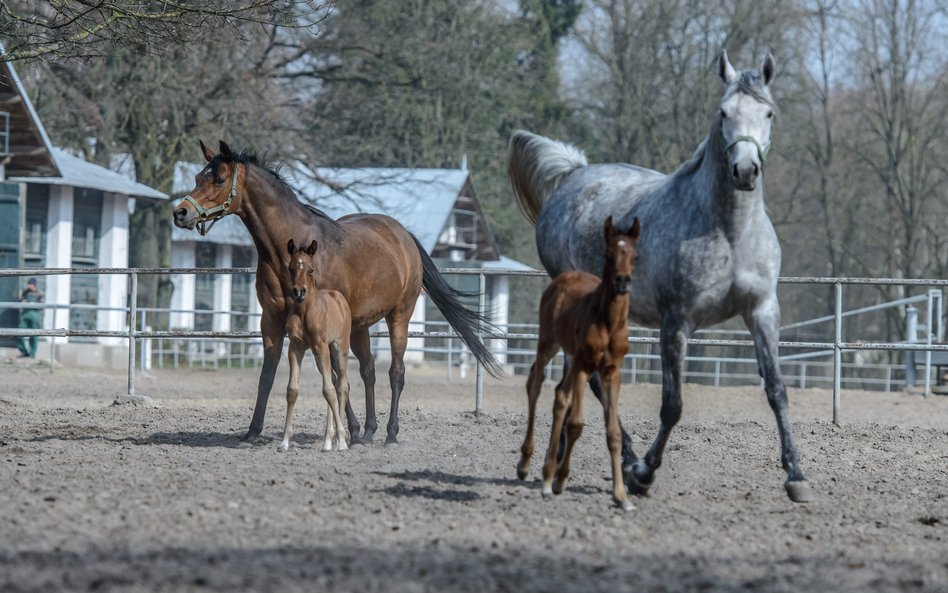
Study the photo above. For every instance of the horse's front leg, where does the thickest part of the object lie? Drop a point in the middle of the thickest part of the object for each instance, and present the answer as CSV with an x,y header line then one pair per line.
x,y
273,330
295,356
333,415
674,342
362,348
610,405
764,323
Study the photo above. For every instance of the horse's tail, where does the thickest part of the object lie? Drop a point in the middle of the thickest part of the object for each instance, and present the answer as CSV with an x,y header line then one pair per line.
x,y
463,320
536,165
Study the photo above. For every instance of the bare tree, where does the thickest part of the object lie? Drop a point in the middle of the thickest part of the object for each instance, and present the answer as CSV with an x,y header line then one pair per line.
x,y
86,28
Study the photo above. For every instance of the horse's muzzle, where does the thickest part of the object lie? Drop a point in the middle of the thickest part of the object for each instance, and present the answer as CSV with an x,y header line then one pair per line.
x,y
183,220
623,284
299,294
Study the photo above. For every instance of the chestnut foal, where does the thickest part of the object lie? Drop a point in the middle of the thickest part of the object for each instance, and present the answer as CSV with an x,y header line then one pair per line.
x,y
587,318
319,320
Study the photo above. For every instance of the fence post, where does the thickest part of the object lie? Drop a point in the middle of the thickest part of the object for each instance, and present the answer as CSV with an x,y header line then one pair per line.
x,y
911,336
837,351
928,342
131,396
479,381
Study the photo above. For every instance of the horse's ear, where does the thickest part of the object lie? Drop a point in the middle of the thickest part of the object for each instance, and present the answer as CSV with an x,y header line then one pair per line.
x,y
312,248
207,151
769,69
607,229
725,70
291,247
635,229
226,152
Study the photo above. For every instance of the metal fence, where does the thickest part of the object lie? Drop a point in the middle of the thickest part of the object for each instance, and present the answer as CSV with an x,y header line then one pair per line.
x,y
134,333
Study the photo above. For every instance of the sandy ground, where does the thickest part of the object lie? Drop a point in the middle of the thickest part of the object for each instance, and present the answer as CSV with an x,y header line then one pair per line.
x,y
166,498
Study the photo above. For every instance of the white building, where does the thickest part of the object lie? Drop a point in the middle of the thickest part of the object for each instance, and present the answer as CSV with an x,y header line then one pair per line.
x,y
439,206
59,211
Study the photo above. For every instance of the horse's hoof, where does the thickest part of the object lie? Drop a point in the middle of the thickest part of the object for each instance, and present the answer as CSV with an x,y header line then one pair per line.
x,y
251,434
799,491
559,486
547,492
366,439
522,471
626,505
391,440
342,447
327,446
283,447
639,480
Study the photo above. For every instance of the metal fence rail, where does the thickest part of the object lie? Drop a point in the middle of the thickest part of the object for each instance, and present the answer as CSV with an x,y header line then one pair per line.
x,y
837,346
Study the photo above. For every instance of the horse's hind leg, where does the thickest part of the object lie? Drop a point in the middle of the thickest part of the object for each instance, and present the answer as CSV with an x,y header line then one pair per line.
x,y
764,323
574,427
362,348
545,351
398,338
295,356
674,341
561,401
629,458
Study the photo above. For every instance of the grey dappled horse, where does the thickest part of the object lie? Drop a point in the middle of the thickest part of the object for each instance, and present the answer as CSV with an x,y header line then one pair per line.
x,y
707,251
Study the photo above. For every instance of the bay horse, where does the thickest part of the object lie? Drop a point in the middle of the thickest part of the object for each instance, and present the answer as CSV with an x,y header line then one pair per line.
x,y
320,321
377,265
587,318
708,250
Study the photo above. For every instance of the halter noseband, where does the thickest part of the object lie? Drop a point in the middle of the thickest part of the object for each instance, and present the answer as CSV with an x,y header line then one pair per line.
x,y
218,212
762,152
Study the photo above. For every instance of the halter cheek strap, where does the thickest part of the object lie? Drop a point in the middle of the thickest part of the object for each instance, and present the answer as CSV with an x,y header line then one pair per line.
x,y
205,222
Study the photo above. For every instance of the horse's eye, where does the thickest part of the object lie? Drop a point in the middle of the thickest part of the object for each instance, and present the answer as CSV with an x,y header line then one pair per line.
x,y
723,114
219,181
770,115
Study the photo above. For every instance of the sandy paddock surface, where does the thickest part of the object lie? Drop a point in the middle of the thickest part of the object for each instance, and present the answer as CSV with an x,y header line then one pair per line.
x,y
132,498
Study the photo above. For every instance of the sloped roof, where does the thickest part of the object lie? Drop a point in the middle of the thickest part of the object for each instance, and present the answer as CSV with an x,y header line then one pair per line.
x,y
421,199
78,172
30,148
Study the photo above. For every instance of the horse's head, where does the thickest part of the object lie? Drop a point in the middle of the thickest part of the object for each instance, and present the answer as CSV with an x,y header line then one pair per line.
x,y
746,115
215,192
621,254
302,268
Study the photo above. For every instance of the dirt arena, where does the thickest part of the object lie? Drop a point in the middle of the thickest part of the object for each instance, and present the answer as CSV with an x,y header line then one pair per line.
x,y
131,498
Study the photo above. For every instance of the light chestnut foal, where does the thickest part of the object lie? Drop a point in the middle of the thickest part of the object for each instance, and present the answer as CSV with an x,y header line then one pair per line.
x,y
319,320
587,318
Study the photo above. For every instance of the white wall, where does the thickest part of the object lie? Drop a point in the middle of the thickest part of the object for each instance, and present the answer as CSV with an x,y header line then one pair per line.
x,y
113,253
500,314
59,255
182,256
222,286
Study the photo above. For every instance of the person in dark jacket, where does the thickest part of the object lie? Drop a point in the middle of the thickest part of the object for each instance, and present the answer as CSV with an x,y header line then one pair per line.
x,y
31,318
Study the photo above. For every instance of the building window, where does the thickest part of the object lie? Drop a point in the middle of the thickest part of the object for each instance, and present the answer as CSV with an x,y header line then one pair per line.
x,y
37,215
86,225
205,256
86,231
240,289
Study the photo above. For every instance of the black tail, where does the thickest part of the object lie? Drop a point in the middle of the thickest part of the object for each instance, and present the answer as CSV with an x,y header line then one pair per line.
x,y
463,320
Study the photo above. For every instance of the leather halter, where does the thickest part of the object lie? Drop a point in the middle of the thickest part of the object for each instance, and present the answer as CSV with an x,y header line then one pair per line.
x,y
205,222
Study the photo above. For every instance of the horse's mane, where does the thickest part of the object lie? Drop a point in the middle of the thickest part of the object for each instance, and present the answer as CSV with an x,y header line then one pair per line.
x,y
252,157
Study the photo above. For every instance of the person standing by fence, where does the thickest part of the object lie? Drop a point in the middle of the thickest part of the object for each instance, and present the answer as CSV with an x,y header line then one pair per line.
x,y
31,318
